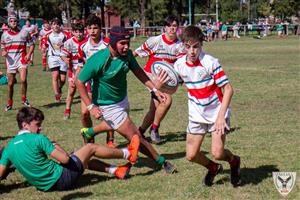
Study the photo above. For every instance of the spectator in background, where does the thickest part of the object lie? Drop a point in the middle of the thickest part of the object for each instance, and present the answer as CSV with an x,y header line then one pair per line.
x,y
235,29
279,28
210,32
224,30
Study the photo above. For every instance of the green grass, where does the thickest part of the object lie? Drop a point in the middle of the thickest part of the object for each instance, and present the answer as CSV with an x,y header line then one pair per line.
x,y
266,106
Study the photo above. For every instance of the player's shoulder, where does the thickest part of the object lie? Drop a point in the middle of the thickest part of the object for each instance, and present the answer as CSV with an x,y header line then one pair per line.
x,y
99,55
83,43
207,59
49,33
180,60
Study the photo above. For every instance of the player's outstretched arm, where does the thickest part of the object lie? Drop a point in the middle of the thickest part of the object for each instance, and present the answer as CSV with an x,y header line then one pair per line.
x,y
140,74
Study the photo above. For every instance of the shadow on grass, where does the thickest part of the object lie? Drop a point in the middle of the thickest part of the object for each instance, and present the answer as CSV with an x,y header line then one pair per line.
x,y
54,104
76,195
16,186
136,109
252,176
90,179
170,137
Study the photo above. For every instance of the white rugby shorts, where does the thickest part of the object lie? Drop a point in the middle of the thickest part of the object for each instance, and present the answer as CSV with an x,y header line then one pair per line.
x,y
56,61
115,114
197,128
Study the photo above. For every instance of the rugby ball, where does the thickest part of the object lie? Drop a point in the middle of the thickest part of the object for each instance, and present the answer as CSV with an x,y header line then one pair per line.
x,y
172,84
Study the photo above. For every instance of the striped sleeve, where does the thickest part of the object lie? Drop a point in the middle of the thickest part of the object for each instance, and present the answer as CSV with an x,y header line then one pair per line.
x,y
219,75
146,49
2,42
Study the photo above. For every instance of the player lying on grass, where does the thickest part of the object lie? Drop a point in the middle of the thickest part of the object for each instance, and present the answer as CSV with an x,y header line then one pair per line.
x,y
29,152
108,70
209,110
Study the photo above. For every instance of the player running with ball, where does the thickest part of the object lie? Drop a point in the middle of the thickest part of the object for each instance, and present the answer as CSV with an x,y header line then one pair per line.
x,y
209,96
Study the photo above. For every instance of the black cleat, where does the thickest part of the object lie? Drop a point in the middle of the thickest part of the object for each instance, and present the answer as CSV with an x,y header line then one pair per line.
x,y
209,177
235,173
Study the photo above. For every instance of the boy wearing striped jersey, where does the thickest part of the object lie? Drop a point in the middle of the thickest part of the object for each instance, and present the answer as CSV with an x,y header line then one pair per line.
x,y
87,48
54,42
33,31
70,56
46,29
209,96
13,46
165,47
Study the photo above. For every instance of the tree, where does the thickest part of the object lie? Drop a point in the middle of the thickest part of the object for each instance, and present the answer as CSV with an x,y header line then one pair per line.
x,y
284,8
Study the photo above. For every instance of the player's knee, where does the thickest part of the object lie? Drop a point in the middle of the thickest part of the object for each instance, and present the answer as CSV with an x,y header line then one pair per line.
x,y
23,81
85,114
217,154
190,156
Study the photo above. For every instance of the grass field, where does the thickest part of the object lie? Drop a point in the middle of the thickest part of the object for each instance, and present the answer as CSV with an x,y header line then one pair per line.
x,y
265,75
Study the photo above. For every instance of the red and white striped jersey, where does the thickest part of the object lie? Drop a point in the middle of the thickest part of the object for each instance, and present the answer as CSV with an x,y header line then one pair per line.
x,y
15,45
30,29
204,81
70,50
44,32
86,49
160,48
55,42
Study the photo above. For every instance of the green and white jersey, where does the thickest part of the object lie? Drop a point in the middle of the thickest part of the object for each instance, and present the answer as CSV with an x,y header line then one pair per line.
x,y
109,76
28,152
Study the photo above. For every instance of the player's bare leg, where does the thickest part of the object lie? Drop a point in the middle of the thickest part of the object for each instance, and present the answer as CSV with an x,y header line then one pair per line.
x,y
220,153
23,81
128,130
193,154
92,150
85,116
10,90
55,83
110,139
159,110
71,93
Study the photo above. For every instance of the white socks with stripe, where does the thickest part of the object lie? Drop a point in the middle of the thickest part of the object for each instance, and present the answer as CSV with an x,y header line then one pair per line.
x,y
112,169
126,153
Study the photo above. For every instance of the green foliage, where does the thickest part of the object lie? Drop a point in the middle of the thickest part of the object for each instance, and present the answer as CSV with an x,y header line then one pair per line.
x,y
284,8
39,8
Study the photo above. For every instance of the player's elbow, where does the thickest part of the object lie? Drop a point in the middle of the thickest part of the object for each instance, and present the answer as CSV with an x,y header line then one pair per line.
x,y
65,159
228,89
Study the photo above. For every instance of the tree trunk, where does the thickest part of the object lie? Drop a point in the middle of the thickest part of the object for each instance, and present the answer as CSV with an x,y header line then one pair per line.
x,y
68,12
102,4
143,17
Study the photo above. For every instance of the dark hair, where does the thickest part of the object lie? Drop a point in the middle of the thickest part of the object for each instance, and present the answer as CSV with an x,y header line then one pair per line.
x,y
93,20
78,26
56,20
170,19
192,33
28,114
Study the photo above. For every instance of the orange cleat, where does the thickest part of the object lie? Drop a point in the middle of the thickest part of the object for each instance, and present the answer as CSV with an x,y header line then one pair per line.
x,y
122,171
133,149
